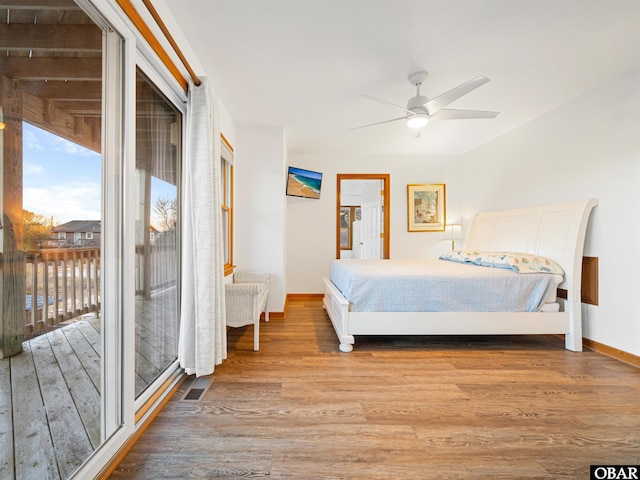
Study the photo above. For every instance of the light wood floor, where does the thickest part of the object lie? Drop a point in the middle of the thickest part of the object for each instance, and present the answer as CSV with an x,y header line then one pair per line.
x,y
395,408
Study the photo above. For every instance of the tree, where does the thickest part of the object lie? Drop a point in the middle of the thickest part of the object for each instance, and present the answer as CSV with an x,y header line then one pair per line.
x,y
167,213
37,228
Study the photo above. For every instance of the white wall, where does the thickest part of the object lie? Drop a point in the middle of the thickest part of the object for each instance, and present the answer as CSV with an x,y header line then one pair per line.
x,y
259,217
311,224
227,125
589,147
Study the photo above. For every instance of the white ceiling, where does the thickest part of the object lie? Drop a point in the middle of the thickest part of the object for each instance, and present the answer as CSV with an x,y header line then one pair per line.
x,y
304,64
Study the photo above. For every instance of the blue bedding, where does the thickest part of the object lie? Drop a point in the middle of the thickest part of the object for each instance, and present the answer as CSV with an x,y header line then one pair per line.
x,y
439,286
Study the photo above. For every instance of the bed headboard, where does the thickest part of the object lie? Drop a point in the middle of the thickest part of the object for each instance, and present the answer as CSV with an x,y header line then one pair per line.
x,y
554,231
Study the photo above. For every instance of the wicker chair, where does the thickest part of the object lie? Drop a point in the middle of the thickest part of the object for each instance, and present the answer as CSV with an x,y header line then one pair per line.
x,y
245,300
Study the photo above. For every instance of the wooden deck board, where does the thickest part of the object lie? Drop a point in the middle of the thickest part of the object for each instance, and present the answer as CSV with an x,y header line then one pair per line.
x,y
154,316
91,330
50,397
6,422
145,369
88,356
33,446
156,336
153,352
70,440
86,396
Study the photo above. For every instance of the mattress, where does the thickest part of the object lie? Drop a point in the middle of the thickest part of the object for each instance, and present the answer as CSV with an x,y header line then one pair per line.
x,y
439,286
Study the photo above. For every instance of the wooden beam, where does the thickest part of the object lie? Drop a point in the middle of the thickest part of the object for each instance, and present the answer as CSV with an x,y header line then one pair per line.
x,y
95,124
78,123
12,265
52,68
84,109
76,38
48,111
57,90
62,123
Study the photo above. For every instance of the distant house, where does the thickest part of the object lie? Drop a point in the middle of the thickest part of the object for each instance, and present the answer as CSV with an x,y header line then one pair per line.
x,y
154,233
75,234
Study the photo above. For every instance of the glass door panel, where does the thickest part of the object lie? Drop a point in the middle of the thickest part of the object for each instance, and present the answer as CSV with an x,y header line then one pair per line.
x,y
51,232
158,127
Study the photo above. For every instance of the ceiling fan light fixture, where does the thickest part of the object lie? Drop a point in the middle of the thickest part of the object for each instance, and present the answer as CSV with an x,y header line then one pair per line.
x,y
420,109
418,120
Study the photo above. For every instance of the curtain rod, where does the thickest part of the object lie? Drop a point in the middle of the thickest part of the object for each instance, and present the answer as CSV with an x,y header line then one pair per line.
x,y
167,34
148,35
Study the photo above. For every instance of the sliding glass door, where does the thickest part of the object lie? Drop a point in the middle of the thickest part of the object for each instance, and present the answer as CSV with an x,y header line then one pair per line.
x,y
53,173
89,235
158,150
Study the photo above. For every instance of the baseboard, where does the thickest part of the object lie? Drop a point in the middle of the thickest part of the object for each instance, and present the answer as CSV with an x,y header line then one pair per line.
x,y
621,355
304,296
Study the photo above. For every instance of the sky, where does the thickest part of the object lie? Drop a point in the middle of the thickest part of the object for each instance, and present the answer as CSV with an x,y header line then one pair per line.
x,y
62,179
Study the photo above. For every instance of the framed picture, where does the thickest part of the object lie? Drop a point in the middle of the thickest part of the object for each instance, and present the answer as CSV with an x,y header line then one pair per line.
x,y
426,207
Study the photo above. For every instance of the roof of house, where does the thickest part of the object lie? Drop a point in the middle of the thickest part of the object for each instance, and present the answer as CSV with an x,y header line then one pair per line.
x,y
78,226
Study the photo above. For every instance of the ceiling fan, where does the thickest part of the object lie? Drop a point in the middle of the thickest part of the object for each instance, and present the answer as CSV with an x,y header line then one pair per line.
x,y
420,110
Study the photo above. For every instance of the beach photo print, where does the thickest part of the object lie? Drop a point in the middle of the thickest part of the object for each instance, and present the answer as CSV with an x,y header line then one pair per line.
x,y
303,183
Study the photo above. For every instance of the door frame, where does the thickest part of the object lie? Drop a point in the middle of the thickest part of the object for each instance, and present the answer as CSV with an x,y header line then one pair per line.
x,y
385,177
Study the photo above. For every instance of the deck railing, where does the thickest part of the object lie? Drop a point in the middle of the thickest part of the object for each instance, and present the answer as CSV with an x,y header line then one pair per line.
x,y
64,283
61,284
156,272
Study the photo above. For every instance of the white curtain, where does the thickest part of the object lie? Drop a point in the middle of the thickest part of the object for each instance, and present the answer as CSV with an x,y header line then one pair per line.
x,y
203,341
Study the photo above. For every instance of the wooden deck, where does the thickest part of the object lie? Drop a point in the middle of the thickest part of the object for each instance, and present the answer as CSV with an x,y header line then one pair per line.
x,y
50,403
50,393
156,336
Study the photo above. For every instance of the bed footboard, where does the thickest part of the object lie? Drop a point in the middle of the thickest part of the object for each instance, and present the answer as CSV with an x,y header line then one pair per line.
x,y
337,308
348,324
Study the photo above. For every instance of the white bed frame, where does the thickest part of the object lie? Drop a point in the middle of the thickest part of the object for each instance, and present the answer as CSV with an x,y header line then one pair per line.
x,y
554,231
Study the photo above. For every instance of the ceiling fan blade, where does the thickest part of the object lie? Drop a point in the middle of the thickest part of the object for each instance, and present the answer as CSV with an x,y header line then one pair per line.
x,y
379,100
379,123
447,114
455,93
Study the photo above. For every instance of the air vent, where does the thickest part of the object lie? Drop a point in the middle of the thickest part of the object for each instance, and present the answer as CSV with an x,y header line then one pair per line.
x,y
197,389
